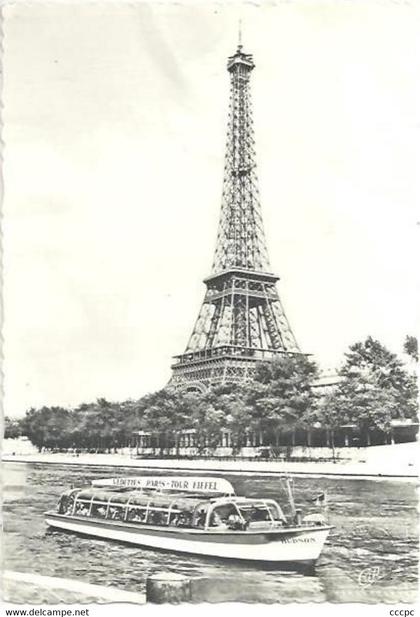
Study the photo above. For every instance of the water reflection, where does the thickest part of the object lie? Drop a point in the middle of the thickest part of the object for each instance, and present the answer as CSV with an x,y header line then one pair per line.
x,y
375,527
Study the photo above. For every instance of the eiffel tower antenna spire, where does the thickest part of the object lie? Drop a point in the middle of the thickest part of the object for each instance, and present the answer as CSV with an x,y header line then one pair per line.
x,y
242,320
240,34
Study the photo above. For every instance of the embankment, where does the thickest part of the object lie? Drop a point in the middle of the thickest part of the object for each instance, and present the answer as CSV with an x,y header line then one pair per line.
x,y
393,462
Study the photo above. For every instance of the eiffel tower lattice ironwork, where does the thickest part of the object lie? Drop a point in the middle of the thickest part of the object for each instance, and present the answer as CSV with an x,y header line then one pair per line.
x,y
241,320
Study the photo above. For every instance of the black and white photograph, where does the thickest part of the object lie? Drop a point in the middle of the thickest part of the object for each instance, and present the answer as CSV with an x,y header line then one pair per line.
x,y
210,305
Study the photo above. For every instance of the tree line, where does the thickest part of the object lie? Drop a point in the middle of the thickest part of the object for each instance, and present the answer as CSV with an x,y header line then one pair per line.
x,y
375,388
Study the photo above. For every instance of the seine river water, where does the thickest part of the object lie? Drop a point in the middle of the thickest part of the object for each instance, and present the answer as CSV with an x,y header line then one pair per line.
x,y
371,555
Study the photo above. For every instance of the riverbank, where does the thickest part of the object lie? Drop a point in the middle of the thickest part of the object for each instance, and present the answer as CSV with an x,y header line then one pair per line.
x,y
28,588
390,466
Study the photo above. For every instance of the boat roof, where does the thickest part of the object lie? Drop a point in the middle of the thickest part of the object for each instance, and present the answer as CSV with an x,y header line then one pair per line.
x,y
154,499
181,484
140,499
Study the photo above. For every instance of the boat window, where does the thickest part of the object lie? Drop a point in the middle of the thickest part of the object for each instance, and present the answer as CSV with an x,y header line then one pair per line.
x,y
255,514
181,518
225,510
260,512
82,508
157,516
225,516
136,515
98,510
116,512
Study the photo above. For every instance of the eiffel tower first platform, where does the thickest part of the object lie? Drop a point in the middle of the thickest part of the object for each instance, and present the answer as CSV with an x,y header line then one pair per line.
x,y
241,321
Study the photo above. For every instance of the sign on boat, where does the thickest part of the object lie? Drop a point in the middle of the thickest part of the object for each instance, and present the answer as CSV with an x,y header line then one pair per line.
x,y
197,515
187,484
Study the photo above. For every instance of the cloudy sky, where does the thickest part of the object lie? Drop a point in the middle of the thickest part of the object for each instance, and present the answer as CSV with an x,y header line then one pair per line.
x,y
114,131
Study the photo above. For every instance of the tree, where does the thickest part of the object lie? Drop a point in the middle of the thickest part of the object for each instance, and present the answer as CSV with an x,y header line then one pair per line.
x,y
238,418
12,428
132,419
358,400
331,414
166,413
411,347
48,427
208,421
375,389
111,419
280,397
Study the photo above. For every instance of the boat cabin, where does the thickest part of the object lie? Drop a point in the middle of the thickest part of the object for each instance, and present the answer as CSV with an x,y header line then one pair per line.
x,y
214,507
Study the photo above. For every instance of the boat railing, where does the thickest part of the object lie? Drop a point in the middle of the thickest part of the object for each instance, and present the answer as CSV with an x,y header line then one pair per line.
x,y
127,508
273,512
116,504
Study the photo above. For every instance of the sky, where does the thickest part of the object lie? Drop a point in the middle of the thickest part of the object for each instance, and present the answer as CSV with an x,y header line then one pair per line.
x,y
114,131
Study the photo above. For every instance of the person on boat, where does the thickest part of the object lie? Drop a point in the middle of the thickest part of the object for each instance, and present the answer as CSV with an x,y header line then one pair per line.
x,y
70,505
63,504
216,521
175,516
142,515
137,515
174,520
235,521
201,518
156,518
131,515
184,519
179,520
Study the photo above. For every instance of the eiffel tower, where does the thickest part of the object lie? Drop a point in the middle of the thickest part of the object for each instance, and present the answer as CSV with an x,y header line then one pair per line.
x,y
241,321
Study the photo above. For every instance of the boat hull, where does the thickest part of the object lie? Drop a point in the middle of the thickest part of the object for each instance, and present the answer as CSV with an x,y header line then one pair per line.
x,y
294,545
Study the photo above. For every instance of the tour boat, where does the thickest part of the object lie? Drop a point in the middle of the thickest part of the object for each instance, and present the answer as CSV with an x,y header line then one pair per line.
x,y
194,515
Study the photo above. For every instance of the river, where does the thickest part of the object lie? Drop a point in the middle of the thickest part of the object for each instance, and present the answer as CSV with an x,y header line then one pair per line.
x,y
371,555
